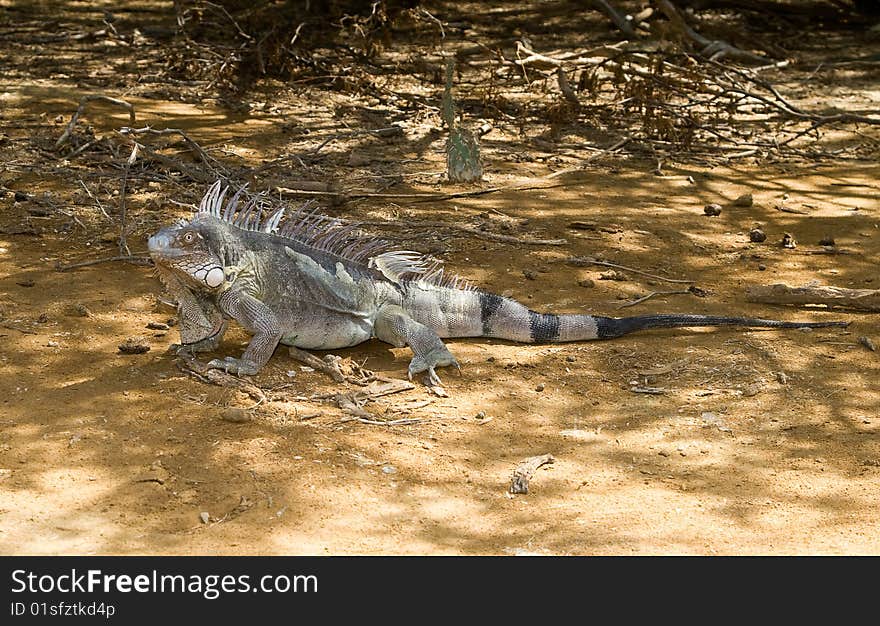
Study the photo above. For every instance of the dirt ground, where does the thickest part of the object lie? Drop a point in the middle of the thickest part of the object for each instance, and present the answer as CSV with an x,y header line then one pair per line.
x,y
761,442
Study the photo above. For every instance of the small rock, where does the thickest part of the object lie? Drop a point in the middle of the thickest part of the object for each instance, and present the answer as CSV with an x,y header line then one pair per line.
x,y
235,414
43,318
205,517
761,267
744,200
788,241
52,344
866,341
690,180
480,416
134,345
157,326
539,387
570,359
587,282
756,235
389,469
712,210
26,282
358,159
827,241
752,390
612,275
20,196
529,274
77,310
109,237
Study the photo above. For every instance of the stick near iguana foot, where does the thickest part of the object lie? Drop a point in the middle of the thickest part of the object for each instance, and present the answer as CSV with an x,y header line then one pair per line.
x,y
523,473
189,364
314,362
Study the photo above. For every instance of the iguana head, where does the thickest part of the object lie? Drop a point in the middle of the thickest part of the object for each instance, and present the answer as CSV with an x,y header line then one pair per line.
x,y
192,251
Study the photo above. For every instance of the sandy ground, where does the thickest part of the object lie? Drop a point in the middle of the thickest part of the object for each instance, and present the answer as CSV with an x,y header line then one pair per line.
x,y
761,442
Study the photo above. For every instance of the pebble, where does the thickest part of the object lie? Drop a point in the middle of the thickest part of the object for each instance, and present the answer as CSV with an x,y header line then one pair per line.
x,y
52,344
712,209
612,275
530,275
761,267
78,310
20,196
235,414
205,517
157,326
570,359
480,416
866,341
539,387
26,282
756,235
827,241
589,283
389,469
788,241
134,345
744,200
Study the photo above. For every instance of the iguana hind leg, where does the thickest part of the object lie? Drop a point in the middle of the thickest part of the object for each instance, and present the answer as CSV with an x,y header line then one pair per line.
x,y
394,326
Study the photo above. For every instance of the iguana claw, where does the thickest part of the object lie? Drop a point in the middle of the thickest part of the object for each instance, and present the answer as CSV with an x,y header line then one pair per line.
x,y
420,364
231,365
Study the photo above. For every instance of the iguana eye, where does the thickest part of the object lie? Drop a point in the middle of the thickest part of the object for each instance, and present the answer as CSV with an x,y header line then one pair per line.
x,y
188,238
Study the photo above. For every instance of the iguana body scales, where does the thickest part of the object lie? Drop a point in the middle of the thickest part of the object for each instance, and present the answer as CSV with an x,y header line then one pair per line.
x,y
314,283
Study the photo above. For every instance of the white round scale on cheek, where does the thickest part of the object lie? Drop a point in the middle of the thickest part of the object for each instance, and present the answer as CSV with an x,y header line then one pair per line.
x,y
215,277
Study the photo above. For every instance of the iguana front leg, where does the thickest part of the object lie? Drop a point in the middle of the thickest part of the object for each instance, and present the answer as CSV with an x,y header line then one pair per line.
x,y
260,321
394,326
201,323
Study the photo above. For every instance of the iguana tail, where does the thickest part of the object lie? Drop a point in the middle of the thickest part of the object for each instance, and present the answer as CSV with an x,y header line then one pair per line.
x,y
458,313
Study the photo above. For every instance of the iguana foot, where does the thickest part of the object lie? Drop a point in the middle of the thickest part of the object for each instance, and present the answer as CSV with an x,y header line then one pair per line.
x,y
231,365
438,357
209,344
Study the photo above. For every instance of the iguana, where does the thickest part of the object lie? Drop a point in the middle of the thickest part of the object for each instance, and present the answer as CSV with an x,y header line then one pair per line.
x,y
315,282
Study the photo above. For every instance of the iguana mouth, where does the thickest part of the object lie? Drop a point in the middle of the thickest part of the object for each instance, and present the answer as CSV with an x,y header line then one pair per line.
x,y
160,246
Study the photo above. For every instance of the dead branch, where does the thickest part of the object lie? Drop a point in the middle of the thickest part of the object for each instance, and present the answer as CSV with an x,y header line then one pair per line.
x,y
651,295
190,142
200,371
137,260
123,212
834,297
82,105
314,362
470,230
173,164
581,261
712,49
623,24
523,473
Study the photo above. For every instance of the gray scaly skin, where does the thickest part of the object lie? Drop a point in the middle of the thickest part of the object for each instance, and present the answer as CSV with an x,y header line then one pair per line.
x,y
311,283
